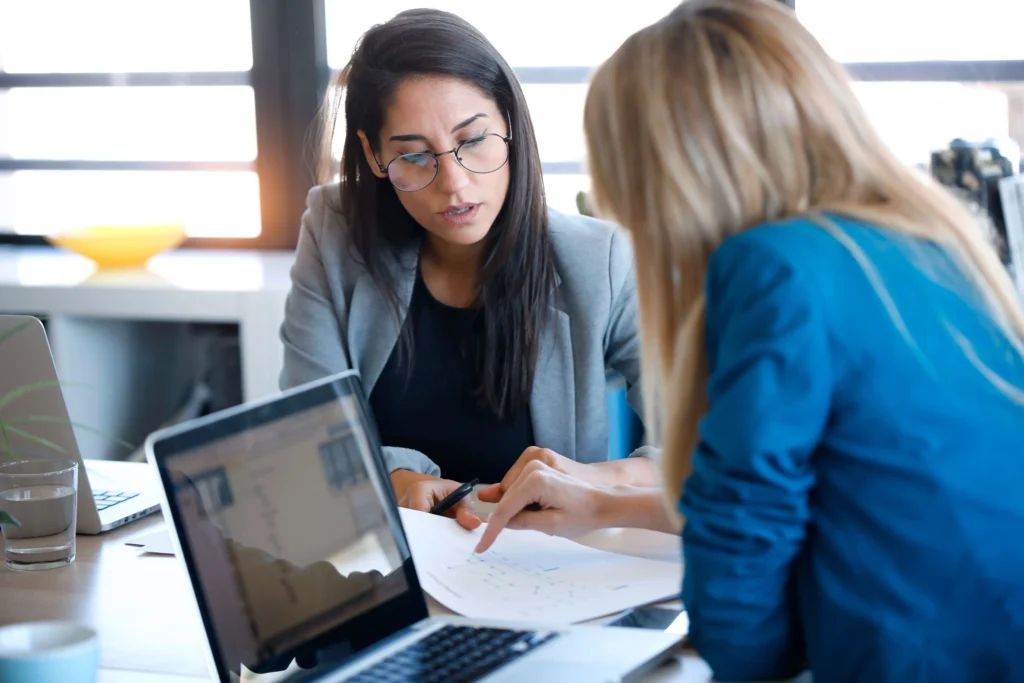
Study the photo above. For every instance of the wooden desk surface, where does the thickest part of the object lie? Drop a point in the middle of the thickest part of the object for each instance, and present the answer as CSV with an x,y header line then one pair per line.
x,y
138,603
141,605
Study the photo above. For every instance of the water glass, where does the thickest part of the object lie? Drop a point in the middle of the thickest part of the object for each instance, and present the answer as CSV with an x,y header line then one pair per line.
x,y
42,495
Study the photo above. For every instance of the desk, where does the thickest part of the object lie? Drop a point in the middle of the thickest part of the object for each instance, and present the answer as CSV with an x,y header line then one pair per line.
x,y
125,330
149,632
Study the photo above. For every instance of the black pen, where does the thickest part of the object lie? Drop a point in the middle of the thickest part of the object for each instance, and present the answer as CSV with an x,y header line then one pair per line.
x,y
454,497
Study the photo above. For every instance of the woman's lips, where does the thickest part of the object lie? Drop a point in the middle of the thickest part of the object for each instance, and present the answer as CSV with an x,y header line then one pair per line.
x,y
460,214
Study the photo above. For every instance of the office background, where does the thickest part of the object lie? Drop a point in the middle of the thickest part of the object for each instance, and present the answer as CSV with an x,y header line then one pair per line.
x,y
162,109
200,111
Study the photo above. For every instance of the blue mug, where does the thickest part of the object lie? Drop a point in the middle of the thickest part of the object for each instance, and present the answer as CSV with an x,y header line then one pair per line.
x,y
44,651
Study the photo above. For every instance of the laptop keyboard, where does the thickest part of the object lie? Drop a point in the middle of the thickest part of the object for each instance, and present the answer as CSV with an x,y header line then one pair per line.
x,y
453,654
105,499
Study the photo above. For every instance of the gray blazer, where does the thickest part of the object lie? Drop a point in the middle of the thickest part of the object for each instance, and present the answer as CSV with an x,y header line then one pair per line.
x,y
336,319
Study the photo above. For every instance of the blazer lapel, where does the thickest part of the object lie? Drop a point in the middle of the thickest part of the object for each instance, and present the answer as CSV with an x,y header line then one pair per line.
x,y
372,327
552,406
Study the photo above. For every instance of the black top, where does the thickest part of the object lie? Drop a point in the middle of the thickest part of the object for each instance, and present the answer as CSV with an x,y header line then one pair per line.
x,y
433,410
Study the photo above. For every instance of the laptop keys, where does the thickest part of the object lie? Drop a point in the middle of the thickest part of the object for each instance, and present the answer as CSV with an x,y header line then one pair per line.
x,y
454,654
105,499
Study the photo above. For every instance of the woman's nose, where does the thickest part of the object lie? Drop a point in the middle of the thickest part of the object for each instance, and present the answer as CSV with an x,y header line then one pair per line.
x,y
451,175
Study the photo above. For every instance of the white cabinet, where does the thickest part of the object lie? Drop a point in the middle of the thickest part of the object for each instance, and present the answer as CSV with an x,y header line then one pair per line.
x,y
120,337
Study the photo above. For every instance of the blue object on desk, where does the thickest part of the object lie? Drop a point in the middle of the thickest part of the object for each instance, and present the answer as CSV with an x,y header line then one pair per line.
x,y
48,651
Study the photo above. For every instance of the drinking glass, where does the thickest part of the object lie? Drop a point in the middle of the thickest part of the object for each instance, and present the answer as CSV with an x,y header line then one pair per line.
x,y
42,495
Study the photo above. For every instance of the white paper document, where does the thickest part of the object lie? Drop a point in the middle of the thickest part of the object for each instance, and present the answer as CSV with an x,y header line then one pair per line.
x,y
157,542
530,576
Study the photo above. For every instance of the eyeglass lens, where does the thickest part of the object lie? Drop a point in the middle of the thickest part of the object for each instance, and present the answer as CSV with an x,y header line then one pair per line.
x,y
485,154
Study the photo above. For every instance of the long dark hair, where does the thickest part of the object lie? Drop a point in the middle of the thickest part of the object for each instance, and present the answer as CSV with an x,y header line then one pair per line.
x,y
518,274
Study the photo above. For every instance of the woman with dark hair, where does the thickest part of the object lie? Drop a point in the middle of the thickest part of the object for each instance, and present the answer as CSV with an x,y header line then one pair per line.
x,y
482,323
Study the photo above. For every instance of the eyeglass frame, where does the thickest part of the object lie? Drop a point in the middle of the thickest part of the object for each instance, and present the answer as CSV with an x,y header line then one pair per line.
x,y
507,139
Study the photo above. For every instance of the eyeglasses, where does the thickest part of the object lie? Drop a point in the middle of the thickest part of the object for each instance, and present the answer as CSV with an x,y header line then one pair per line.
x,y
482,154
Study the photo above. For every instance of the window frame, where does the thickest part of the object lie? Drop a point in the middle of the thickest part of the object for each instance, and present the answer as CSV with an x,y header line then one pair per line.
x,y
289,77
1011,71
941,71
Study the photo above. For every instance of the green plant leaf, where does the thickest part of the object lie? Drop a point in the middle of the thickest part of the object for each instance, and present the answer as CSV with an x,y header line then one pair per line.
x,y
26,389
14,330
5,518
32,455
36,386
10,429
45,419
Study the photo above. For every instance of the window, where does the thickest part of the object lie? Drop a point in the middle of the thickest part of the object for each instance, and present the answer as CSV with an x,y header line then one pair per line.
x,y
189,111
916,30
917,118
184,123
930,72
209,203
124,36
71,127
553,46
199,110
530,33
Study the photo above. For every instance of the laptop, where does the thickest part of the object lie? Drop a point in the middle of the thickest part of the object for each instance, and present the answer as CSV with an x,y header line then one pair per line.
x,y
284,517
110,493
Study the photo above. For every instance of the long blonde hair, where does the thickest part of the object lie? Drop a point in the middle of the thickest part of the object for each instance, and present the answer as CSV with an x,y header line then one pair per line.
x,y
724,115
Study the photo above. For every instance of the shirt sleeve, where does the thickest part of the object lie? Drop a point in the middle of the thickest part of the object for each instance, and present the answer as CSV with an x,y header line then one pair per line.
x,y
746,502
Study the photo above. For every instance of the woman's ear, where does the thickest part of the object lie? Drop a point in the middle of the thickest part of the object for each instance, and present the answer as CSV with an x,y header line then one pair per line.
x,y
370,158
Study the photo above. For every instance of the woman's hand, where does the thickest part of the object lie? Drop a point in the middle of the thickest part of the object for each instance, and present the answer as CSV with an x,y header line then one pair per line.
x,y
422,491
557,462
640,472
545,499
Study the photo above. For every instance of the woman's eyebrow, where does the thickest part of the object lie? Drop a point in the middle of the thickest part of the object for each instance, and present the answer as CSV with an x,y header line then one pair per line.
x,y
414,137
468,121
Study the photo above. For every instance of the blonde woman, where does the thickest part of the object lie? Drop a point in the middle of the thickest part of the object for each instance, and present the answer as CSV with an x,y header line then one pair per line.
x,y
841,362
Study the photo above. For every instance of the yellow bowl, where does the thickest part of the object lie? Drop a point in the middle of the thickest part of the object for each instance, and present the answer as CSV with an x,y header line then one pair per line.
x,y
120,246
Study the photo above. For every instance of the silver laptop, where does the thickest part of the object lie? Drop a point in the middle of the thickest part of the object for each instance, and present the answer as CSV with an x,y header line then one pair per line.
x,y
283,516
110,493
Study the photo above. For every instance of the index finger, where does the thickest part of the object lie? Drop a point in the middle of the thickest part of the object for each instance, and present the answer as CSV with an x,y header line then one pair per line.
x,y
524,492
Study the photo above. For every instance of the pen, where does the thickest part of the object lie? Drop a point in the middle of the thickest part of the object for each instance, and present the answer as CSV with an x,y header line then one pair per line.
x,y
454,497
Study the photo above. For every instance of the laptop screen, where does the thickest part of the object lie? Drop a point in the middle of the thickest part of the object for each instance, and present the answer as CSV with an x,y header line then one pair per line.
x,y
290,531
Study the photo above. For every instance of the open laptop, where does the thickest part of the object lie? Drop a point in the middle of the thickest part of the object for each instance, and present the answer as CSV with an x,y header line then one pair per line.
x,y
284,518
110,494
